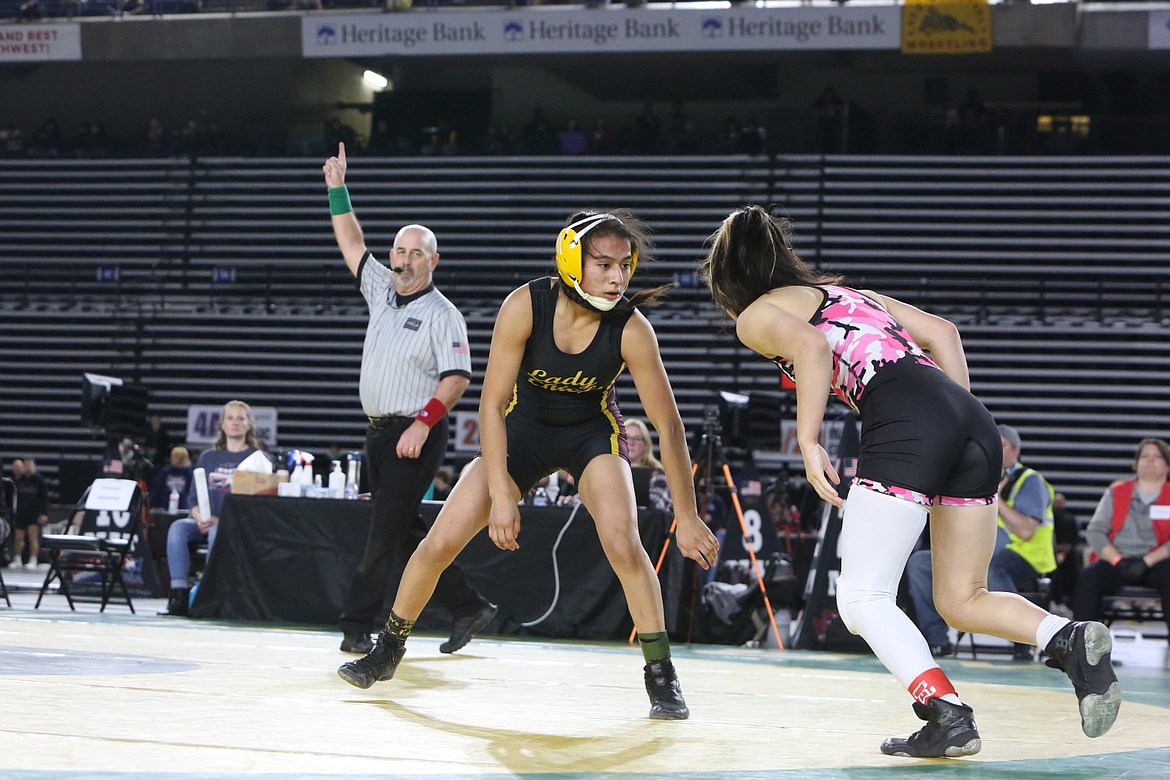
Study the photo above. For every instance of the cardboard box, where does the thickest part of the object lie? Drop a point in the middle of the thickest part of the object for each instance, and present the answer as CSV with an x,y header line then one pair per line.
x,y
249,483
1131,648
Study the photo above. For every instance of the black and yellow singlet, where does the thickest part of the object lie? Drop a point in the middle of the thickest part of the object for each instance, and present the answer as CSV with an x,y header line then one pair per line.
x,y
564,408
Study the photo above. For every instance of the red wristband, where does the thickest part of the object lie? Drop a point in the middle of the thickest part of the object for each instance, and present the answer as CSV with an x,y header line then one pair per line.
x,y
432,412
1117,560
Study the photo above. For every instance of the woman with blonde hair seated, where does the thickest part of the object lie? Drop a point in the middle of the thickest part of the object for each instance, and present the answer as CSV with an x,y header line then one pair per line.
x,y
642,454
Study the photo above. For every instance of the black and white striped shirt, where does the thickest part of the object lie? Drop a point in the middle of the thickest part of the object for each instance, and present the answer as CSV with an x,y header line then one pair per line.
x,y
408,348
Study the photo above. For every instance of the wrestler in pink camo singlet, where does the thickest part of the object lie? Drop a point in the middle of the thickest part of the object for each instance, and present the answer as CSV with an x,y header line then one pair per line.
x,y
864,338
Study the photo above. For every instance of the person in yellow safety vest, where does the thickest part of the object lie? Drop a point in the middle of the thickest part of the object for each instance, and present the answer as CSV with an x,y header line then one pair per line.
x,y
1025,549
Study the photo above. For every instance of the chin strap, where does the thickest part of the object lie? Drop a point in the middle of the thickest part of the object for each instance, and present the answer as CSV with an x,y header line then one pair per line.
x,y
596,301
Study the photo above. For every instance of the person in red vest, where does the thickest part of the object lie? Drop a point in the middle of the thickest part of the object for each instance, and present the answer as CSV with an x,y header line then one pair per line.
x,y
1130,534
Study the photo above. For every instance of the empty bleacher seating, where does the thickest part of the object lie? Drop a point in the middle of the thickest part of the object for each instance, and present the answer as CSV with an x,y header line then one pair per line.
x,y
219,278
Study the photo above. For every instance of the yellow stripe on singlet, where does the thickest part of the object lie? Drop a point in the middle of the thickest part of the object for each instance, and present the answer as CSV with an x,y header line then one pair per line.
x,y
613,437
512,403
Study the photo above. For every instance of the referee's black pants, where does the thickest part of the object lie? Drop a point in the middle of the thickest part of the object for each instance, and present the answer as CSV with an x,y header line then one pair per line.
x,y
397,527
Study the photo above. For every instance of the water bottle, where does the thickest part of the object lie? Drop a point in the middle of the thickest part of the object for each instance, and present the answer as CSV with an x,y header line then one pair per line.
x,y
337,480
173,502
353,477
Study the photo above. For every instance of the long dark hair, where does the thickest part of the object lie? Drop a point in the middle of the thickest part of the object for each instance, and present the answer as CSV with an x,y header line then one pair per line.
x,y
629,228
750,255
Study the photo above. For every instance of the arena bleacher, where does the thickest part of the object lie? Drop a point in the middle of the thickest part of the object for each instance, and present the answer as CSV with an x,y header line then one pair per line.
x,y
218,278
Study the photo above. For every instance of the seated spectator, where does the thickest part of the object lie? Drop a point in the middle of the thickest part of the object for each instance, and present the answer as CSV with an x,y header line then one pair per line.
x,y
642,454
174,476
1023,551
1069,560
234,442
1130,535
443,482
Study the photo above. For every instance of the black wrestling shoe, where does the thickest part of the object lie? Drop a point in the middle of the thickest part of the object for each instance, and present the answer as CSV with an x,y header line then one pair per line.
x,y
464,628
178,602
949,732
379,664
666,700
359,643
1082,650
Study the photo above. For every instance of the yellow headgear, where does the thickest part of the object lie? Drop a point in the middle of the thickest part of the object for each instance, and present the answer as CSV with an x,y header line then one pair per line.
x,y
569,254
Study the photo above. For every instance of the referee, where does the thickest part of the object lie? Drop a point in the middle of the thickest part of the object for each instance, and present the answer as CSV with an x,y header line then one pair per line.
x,y
415,365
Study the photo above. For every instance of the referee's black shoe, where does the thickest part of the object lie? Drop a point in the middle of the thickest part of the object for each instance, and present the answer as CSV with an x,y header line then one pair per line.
x,y
358,642
949,732
1083,651
379,664
666,699
466,627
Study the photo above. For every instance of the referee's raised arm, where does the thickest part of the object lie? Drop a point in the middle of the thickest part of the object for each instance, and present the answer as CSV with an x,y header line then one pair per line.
x,y
346,229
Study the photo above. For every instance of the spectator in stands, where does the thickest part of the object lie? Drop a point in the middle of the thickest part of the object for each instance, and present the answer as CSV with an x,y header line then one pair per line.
x,y
32,511
972,123
1024,549
157,444
647,130
497,140
215,140
157,140
29,10
1130,534
235,441
927,445
753,137
381,141
829,111
46,142
642,454
174,477
573,140
336,132
547,403
601,138
538,136
729,141
12,141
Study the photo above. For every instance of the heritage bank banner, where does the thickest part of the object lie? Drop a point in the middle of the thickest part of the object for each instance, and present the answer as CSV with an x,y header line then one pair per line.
x,y
581,31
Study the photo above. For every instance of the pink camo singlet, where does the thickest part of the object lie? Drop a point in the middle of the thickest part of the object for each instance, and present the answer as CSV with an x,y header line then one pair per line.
x,y
864,338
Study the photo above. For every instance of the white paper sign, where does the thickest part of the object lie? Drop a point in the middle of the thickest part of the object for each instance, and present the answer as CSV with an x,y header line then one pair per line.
x,y
111,494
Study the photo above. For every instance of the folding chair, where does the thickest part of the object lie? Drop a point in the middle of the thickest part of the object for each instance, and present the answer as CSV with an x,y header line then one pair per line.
x,y
1132,602
103,530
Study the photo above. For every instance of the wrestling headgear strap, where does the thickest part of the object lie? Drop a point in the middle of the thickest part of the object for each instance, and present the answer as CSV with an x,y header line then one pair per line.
x,y
570,257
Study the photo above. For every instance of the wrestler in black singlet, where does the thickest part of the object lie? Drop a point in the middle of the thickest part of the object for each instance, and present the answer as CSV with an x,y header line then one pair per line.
x,y
564,411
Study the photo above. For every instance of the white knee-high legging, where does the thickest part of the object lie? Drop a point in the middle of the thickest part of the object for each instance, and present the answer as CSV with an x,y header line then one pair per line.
x,y
877,535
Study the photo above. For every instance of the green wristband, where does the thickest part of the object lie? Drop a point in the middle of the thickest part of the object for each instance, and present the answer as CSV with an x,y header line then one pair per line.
x,y
339,200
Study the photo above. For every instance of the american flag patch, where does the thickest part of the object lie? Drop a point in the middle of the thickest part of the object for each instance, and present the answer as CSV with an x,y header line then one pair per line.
x,y
460,348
